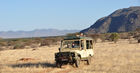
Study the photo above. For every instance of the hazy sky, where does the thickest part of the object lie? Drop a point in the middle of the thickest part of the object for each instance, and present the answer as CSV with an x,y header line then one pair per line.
x,y
60,14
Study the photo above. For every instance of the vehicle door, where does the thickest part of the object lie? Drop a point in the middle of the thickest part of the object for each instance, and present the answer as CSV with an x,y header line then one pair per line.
x,y
82,49
89,48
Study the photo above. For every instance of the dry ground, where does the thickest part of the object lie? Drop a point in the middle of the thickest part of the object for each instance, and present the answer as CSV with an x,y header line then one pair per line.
x,y
121,57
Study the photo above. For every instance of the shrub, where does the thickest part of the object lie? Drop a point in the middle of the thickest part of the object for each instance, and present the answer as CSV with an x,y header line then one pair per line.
x,y
137,37
19,46
11,43
46,42
125,35
37,40
114,37
105,36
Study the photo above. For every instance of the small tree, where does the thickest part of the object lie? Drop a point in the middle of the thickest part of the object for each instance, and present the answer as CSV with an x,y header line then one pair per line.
x,y
114,37
19,46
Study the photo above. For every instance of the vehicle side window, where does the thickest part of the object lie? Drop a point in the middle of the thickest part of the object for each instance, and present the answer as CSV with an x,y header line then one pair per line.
x,y
75,44
91,44
82,44
87,44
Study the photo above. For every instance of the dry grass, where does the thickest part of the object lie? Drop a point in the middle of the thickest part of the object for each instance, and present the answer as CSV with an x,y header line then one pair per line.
x,y
121,57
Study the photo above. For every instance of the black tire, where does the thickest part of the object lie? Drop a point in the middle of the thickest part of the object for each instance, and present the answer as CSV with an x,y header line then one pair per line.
x,y
77,62
58,64
89,61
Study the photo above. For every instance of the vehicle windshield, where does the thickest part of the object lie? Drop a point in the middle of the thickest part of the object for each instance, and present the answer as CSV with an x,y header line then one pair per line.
x,y
70,44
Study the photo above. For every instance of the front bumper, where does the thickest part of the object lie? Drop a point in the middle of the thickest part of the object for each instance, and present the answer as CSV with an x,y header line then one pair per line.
x,y
64,59
64,56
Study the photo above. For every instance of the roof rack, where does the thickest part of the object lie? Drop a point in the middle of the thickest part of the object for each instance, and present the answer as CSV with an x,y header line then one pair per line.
x,y
76,37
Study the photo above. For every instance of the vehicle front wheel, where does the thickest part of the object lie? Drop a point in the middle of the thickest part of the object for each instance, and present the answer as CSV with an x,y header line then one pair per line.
x,y
77,62
58,64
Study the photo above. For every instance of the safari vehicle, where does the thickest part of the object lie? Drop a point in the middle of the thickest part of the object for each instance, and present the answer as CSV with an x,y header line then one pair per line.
x,y
73,50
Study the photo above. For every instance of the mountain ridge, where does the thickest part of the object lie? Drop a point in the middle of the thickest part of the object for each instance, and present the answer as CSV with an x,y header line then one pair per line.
x,y
121,20
35,33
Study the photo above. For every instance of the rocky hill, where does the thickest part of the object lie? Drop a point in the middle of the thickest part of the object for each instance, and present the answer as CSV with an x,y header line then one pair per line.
x,y
122,20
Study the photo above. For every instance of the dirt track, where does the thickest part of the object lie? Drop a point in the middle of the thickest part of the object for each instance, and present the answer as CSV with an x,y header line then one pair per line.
x,y
121,57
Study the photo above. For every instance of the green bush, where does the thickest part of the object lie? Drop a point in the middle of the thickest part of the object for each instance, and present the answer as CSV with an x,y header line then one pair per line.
x,y
19,46
21,43
114,37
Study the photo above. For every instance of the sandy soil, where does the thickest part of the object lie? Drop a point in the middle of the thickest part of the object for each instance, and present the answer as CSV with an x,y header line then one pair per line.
x,y
121,57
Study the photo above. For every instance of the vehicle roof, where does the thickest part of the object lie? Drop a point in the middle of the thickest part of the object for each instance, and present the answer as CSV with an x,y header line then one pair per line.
x,y
77,38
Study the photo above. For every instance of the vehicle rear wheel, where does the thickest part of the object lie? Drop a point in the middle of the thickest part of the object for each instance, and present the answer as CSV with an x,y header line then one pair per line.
x,y
89,61
77,62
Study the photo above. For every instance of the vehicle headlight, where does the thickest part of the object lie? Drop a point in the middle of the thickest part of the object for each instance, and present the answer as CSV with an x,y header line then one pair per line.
x,y
73,54
56,54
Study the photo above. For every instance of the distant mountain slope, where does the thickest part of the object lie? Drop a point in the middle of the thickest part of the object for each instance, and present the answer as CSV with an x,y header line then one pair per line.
x,y
35,33
122,20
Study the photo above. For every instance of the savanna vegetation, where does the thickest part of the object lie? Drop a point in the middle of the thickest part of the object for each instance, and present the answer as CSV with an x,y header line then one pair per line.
x,y
115,53
21,43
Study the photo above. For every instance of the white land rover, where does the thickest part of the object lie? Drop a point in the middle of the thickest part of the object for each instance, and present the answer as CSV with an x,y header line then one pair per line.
x,y
73,50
